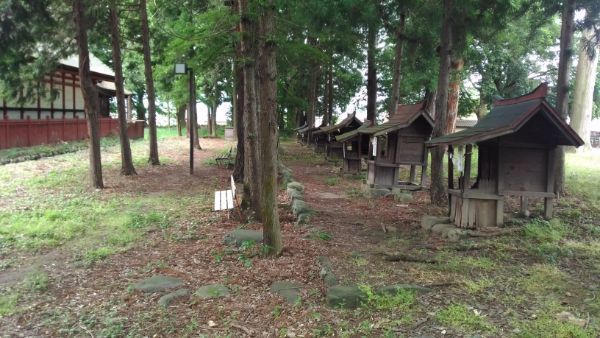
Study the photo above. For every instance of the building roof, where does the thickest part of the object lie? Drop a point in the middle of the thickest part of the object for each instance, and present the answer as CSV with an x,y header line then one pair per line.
x,y
342,124
96,65
352,133
307,129
507,117
404,116
111,87
460,123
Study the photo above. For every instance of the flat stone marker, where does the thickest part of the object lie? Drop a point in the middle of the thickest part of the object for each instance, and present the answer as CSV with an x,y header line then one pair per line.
x,y
157,283
289,291
212,291
239,236
165,300
349,297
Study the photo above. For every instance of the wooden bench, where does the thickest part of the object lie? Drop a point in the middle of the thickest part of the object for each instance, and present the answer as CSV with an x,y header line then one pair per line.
x,y
225,161
226,199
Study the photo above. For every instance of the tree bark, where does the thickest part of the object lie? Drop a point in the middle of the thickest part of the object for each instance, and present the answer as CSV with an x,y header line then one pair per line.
x,y
180,119
456,66
313,87
195,127
90,95
238,169
251,150
397,75
583,96
268,129
562,87
127,167
437,189
371,73
149,84
214,121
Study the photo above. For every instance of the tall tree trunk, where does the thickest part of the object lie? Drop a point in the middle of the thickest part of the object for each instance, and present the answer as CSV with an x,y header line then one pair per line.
x,y
562,87
313,87
214,121
188,120
126,161
238,168
251,150
456,66
195,127
397,76
149,84
209,120
371,73
437,190
330,96
180,119
326,94
585,80
268,130
90,95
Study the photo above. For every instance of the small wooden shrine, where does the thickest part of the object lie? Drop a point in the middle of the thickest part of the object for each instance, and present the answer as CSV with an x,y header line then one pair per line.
x,y
355,147
516,143
396,143
304,134
324,138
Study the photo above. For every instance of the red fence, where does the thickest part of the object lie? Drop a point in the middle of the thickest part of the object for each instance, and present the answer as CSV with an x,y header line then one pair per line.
x,y
27,133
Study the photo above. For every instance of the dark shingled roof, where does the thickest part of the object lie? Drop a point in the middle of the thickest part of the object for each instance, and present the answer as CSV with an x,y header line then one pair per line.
x,y
353,133
465,123
402,118
507,117
344,123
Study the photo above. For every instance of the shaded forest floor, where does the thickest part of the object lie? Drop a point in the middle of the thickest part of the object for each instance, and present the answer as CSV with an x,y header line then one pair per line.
x,y
69,254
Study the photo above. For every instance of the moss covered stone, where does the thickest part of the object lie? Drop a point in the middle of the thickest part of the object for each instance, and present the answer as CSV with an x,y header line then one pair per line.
x,y
167,299
239,236
348,297
212,291
289,291
157,283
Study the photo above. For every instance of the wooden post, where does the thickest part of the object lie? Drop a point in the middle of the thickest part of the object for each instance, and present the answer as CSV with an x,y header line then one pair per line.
x,y
467,173
524,205
424,167
450,167
548,201
413,173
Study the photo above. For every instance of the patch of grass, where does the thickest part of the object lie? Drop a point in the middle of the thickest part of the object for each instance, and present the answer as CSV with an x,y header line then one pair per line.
x,y
37,281
96,255
459,317
8,303
545,279
14,155
475,286
401,300
545,231
331,181
355,192
449,261
582,176
321,235
547,325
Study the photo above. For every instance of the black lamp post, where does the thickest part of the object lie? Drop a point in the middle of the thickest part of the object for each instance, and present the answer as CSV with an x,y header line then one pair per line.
x,y
182,68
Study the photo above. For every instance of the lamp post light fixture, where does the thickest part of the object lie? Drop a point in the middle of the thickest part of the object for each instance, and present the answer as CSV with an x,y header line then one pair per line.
x,y
180,69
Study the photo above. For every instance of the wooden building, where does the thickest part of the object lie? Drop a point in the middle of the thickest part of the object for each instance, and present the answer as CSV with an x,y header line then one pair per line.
x,y
304,134
67,99
60,114
516,143
355,147
396,143
324,138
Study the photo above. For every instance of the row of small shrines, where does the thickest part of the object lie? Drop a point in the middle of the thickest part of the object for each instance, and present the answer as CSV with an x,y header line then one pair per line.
x,y
516,142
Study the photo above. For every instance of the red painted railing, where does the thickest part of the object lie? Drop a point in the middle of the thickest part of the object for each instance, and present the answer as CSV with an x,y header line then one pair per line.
x,y
27,133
